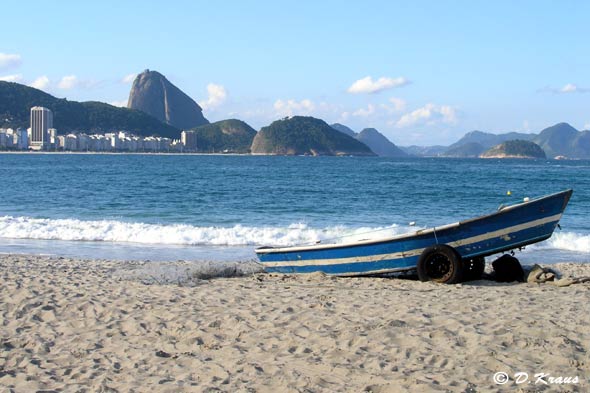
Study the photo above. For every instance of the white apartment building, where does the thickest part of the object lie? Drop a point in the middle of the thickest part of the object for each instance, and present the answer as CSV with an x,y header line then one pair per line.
x,y
116,141
6,139
71,142
53,137
13,140
189,140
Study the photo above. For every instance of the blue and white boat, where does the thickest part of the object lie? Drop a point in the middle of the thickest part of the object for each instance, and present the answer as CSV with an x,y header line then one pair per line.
x,y
449,253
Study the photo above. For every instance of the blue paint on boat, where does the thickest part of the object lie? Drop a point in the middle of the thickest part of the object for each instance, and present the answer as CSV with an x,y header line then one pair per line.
x,y
508,228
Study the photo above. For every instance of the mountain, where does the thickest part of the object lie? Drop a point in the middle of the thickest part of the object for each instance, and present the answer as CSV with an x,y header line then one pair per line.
x,y
558,140
581,145
469,142
424,151
488,139
376,141
562,140
470,149
300,135
344,129
379,144
155,95
515,149
231,135
16,101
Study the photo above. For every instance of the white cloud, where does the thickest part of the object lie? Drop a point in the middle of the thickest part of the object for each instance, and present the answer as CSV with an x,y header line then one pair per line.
x,y
567,88
368,85
217,95
429,114
571,88
12,78
587,126
127,79
365,112
9,61
68,82
40,83
263,112
398,104
293,107
121,103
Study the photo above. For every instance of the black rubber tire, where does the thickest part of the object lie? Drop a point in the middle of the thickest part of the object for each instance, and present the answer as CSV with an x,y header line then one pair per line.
x,y
473,268
440,263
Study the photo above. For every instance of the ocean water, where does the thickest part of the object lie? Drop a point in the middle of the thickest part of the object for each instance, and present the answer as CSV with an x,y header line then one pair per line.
x,y
220,208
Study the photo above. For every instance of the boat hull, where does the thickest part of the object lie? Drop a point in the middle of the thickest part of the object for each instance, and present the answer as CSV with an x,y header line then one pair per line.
x,y
508,228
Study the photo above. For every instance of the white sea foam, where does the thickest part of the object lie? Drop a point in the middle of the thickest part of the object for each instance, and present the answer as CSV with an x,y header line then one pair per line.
x,y
182,234
238,235
569,241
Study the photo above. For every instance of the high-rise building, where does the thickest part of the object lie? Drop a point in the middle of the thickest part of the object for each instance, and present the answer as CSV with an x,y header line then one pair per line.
x,y
41,122
52,137
189,140
22,138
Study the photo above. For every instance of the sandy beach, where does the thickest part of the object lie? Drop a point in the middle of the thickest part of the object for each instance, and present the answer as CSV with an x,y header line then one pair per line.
x,y
86,326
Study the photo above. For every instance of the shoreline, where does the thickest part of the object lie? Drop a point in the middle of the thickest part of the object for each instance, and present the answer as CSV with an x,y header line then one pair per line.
x,y
32,152
92,324
26,152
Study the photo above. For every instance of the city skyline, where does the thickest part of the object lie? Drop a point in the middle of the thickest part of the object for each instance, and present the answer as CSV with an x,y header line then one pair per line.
x,y
41,136
422,73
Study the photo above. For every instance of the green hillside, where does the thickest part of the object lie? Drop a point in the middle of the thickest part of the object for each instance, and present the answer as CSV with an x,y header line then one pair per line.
x,y
16,101
469,149
558,140
514,149
231,135
301,135
561,139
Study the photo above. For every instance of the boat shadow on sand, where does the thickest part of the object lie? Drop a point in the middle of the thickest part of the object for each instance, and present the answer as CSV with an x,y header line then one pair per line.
x,y
504,271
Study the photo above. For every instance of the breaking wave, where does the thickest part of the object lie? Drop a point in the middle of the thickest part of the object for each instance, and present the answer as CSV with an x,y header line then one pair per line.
x,y
182,234
237,235
569,241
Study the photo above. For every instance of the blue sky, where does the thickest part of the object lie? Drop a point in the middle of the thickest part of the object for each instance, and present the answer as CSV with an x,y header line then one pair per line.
x,y
422,72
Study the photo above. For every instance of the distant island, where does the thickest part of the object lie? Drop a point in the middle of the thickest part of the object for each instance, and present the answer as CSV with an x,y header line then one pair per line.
x,y
162,118
515,149
300,135
560,140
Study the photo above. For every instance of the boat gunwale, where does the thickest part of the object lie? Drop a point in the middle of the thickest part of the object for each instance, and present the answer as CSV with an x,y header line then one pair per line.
x,y
420,232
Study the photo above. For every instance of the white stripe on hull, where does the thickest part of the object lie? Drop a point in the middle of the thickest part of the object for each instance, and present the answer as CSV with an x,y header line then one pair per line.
x,y
380,271
418,251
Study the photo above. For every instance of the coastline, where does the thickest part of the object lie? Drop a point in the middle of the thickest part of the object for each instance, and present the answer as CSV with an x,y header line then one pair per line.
x,y
87,324
28,152
120,153
509,156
